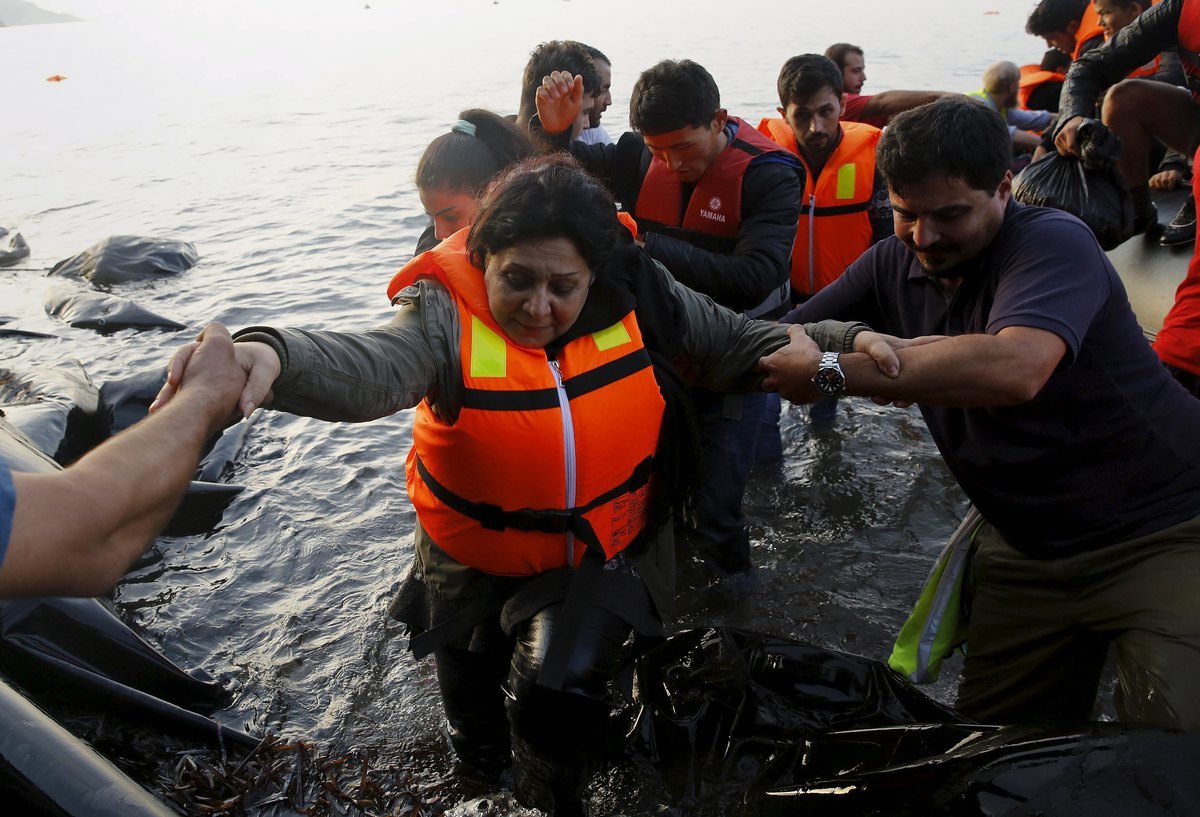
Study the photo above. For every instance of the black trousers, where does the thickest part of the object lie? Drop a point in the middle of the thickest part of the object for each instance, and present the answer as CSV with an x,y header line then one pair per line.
x,y
555,739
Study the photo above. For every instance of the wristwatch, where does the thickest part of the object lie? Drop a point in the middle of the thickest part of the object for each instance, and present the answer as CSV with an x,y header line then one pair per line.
x,y
829,378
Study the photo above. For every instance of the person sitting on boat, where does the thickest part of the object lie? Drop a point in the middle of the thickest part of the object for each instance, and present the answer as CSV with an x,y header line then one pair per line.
x,y
845,203
872,109
456,166
74,532
1055,417
1141,112
1001,87
547,448
1115,15
717,203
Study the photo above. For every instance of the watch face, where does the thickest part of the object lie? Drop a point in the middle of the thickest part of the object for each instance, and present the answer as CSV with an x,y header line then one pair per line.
x,y
830,380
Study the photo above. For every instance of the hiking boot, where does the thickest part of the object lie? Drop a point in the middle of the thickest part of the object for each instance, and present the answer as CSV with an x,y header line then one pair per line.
x,y
1182,229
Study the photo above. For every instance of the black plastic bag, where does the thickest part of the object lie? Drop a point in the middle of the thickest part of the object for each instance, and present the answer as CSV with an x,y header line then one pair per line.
x,y
717,706
740,723
1089,188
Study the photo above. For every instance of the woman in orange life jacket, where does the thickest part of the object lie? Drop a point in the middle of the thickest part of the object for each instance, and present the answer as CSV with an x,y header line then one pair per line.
x,y
457,165
547,451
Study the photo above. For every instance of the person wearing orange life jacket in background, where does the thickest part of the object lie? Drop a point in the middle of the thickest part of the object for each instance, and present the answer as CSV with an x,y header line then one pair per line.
x,y
716,203
1071,26
845,207
871,109
1140,112
548,450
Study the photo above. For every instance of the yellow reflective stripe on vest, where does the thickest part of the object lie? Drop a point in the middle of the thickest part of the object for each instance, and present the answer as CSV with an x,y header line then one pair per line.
x,y
612,337
937,624
846,180
488,357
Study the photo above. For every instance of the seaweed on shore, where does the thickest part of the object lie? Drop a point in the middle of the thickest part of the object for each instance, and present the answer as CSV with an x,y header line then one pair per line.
x,y
279,777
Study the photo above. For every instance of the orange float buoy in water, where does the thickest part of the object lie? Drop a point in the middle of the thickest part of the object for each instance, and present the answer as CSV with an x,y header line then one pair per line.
x,y
55,78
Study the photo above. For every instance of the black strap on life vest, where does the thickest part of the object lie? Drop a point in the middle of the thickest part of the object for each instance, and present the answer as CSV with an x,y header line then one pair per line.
x,y
835,210
544,520
577,386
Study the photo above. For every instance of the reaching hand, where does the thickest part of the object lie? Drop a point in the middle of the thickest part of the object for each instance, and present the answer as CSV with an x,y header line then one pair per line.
x,y
882,349
240,374
559,101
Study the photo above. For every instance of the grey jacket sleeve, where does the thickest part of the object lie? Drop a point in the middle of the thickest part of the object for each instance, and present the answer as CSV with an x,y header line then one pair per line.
x,y
360,376
723,347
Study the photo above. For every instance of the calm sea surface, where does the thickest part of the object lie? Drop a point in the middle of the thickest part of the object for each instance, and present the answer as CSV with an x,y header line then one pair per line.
x,y
281,138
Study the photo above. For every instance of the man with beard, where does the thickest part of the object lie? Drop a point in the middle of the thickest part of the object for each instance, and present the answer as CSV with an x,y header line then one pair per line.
x,y
594,133
1078,448
845,206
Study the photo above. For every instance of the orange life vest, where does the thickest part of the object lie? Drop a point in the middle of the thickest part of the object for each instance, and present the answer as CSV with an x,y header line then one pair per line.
x,y
712,217
835,224
547,457
1178,341
1089,28
1032,78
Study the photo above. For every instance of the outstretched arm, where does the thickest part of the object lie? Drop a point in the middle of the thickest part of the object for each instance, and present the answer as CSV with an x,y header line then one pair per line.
x,y
1007,368
75,531
886,104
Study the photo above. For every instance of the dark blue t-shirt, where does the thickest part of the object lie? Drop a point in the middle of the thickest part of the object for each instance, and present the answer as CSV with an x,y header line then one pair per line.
x,y
1108,450
8,501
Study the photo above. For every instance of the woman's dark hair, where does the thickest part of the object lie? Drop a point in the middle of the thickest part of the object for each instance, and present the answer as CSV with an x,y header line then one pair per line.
x,y
671,95
462,160
545,197
953,137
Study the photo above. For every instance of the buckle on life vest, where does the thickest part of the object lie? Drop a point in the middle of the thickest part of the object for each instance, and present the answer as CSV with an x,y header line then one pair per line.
x,y
538,520
547,520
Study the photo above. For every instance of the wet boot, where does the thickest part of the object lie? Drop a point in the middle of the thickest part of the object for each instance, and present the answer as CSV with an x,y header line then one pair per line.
x,y
559,737
558,746
472,690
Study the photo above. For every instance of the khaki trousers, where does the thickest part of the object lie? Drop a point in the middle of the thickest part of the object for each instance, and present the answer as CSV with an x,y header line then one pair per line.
x,y
1040,628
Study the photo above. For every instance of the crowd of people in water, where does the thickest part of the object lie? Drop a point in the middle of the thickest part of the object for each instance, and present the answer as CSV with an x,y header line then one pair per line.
x,y
597,335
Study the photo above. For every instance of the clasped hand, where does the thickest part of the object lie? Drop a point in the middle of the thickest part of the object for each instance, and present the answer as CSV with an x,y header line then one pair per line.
x,y
789,370
250,374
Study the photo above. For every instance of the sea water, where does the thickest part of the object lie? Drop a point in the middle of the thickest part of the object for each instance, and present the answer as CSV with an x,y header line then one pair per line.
x,y
281,138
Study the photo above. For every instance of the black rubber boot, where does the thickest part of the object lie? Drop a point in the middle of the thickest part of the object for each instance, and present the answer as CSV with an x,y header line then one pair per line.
x,y
559,737
472,686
